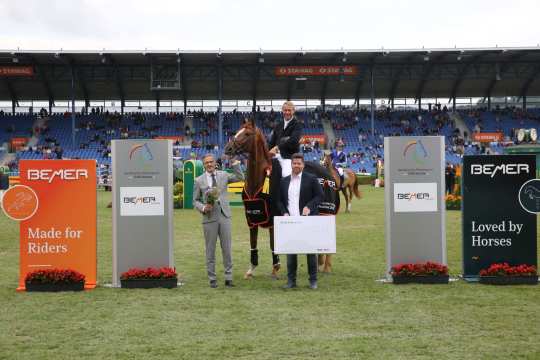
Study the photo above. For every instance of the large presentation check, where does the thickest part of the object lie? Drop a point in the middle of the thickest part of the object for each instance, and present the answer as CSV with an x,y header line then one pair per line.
x,y
305,234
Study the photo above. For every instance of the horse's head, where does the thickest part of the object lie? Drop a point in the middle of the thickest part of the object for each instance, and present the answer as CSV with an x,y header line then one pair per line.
x,y
242,142
326,160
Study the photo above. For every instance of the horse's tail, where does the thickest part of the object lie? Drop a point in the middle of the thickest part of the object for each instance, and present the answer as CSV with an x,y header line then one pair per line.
x,y
356,191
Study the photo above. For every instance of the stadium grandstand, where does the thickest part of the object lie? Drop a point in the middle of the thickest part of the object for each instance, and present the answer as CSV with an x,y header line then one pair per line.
x,y
72,104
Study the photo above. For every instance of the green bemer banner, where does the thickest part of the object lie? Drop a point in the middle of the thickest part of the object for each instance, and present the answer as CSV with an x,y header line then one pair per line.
x,y
192,169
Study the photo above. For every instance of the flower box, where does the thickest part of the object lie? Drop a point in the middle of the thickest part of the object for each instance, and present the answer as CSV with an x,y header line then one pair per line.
x,y
54,287
149,283
509,280
421,279
420,273
148,278
54,280
504,274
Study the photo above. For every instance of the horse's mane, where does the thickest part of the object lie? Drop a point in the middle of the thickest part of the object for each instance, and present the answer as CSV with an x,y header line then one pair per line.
x,y
260,140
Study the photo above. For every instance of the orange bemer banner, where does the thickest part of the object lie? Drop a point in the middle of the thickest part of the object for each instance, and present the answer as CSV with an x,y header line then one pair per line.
x,y
62,231
321,138
487,136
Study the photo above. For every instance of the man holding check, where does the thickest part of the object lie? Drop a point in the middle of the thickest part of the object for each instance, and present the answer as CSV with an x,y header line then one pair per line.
x,y
300,195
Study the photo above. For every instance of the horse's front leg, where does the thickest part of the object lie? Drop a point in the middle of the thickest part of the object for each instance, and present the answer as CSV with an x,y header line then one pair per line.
x,y
347,206
275,258
254,252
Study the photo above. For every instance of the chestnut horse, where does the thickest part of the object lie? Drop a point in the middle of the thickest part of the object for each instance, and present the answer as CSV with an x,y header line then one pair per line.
x,y
251,141
350,185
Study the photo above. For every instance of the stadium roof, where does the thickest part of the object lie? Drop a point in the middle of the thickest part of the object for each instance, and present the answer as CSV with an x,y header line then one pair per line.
x,y
405,73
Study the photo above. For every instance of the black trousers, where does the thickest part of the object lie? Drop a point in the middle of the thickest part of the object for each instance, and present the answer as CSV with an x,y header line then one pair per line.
x,y
292,265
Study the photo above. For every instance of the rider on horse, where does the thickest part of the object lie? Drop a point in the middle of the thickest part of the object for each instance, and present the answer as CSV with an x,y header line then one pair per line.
x,y
285,138
339,161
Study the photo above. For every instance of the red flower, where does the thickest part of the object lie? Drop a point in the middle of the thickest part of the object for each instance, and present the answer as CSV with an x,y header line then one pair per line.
x,y
419,269
504,269
149,273
54,276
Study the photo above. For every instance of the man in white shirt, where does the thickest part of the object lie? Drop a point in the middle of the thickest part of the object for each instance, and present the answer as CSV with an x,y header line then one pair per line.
x,y
300,195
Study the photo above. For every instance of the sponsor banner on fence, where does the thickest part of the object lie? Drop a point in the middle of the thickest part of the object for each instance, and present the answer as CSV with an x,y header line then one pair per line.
x,y
315,70
18,142
58,227
321,138
173,138
16,71
498,225
488,136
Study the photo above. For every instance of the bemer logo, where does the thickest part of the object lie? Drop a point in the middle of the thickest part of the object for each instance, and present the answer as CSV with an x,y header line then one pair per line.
x,y
139,200
413,196
504,169
49,175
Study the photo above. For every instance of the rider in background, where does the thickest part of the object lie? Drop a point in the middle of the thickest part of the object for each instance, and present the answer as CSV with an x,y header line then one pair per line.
x,y
339,161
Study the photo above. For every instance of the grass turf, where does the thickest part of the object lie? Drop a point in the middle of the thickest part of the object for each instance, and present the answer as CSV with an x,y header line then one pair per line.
x,y
349,316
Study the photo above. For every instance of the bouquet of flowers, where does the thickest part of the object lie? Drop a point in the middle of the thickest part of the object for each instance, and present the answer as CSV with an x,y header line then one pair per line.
x,y
211,195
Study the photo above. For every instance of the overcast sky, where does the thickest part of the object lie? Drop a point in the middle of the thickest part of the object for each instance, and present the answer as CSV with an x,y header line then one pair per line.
x,y
270,25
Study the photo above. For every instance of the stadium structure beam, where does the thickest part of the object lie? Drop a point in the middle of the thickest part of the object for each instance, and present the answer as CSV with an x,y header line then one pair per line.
x,y
183,84
530,79
119,82
12,95
336,61
360,81
73,106
372,86
83,86
44,78
461,74
397,78
426,75
256,75
70,61
501,70
292,79
220,99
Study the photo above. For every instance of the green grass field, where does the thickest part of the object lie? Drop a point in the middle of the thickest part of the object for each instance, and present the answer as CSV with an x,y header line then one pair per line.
x,y
350,316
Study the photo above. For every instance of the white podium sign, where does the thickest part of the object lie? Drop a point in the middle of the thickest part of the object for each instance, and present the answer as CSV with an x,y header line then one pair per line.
x,y
305,234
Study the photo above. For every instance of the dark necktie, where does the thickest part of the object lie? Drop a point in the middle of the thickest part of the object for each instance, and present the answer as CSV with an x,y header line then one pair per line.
x,y
214,183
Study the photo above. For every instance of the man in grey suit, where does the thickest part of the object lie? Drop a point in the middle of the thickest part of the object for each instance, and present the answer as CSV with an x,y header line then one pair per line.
x,y
216,215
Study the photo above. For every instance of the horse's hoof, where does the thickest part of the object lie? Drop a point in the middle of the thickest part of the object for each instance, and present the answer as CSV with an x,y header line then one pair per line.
x,y
275,269
248,275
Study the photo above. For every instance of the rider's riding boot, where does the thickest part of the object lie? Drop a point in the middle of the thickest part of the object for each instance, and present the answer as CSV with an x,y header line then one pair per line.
x,y
342,181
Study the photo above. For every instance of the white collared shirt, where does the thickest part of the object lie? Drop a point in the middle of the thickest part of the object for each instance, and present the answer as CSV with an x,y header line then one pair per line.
x,y
294,195
286,123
